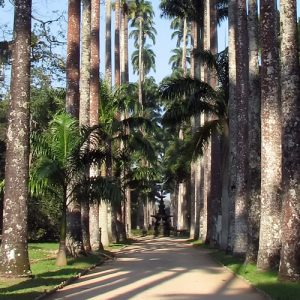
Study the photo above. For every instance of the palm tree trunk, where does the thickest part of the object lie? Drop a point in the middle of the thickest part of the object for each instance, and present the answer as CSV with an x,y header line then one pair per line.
x,y
84,112
290,258
61,258
254,136
233,124
141,75
94,117
122,44
271,174
184,46
104,218
74,236
14,249
117,43
240,236
108,70
214,197
126,76
73,58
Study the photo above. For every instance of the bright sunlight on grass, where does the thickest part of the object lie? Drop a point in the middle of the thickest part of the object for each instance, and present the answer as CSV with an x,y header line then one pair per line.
x,y
266,281
46,274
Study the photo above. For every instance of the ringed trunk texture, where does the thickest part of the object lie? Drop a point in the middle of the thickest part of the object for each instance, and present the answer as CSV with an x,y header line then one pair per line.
x,y
14,249
290,252
108,69
73,58
254,135
271,151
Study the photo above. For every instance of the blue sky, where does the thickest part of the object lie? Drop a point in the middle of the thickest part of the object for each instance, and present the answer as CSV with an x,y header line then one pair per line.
x,y
44,8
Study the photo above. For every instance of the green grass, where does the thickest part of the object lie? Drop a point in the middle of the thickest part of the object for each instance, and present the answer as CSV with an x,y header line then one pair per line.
x,y
266,281
46,274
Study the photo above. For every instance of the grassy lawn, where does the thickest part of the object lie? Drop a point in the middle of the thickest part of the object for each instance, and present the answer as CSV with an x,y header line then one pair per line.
x,y
266,281
46,274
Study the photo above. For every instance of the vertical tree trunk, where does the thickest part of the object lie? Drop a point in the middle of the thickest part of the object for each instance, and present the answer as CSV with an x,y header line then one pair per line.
x,y
94,117
141,75
14,250
117,43
84,112
61,258
233,124
108,70
73,215
270,228
253,136
104,218
290,252
242,73
214,199
122,43
73,58
126,76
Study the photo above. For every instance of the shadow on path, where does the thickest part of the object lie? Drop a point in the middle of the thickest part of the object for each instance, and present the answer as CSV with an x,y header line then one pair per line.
x,y
161,268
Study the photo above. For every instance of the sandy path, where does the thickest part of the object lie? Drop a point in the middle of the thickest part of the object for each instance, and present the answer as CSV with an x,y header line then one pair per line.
x,y
162,268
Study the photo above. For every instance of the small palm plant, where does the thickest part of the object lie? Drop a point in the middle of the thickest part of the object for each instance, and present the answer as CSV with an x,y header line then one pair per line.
x,y
61,156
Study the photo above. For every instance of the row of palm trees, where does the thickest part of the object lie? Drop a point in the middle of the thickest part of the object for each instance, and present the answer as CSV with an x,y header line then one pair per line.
x,y
104,159
245,188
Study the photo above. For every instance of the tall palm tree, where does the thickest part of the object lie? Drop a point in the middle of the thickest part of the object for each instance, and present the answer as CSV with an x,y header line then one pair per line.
x,y
142,19
73,60
290,259
74,236
14,251
271,152
94,115
253,135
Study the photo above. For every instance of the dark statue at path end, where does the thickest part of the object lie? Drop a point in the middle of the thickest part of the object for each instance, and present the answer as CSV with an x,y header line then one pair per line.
x,y
162,218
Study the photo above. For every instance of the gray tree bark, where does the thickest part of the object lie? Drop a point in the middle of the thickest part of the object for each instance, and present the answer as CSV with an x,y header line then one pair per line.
x,y
253,136
84,112
117,43
290,252
233,125
108,70
242,73
271,151
94,117
14,261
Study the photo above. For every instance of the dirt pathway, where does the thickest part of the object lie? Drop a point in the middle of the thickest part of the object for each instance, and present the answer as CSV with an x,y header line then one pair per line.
x,y
162,268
